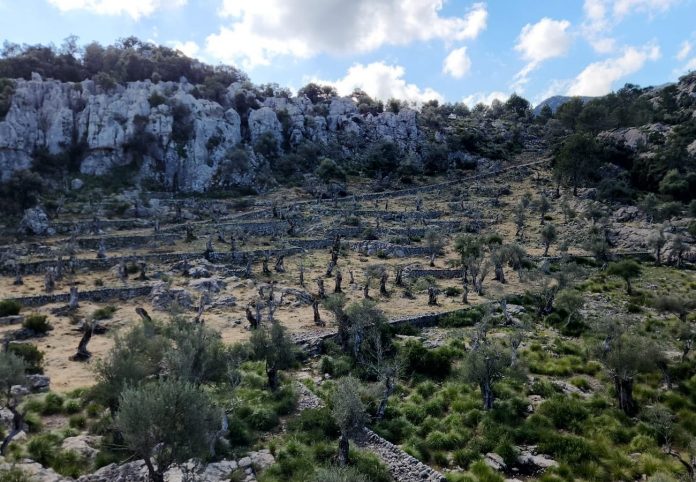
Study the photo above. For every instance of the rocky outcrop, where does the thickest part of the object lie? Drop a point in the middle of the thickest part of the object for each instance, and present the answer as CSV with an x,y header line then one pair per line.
x,y
167,134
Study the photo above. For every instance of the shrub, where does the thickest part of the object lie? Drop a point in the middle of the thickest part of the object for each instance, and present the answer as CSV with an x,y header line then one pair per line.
x,y
37,323
565,412
104,313
72,406
43,448
52,404
462,319
262,419
453,291
78,421
10,308
32,356
14,474
418,359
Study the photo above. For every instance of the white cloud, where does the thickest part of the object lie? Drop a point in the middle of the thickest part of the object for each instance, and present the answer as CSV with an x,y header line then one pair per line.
x,y
381,81
598,78
485,98
457,63
601,16
544,40
261,30
133,8
189,48
684,50
624,7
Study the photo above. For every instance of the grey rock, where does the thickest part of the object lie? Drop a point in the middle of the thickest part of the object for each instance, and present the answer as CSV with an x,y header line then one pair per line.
x,y
35,222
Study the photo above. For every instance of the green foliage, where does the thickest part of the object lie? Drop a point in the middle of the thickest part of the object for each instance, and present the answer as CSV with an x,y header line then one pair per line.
x,y
328,170
577,159
347,408
13,474
172,415
10,308
52,404
104,313
12,372
36,323
435,362
30,354
462,319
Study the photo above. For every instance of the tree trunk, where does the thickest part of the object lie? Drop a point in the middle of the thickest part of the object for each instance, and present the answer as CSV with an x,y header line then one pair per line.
x,y
17,425
317,319
499,273
388,389
343,448
487,394
432,260
624,393
339,279
155,475
546,249
272,374
629,288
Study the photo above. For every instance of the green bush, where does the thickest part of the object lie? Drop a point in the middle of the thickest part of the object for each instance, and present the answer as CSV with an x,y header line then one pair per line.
x,y
462,319
14,474
32,356
78,421
10,308
72,406
52,404
37,323
564,412
43,448
435,362
370,466
104,313
453,291
262,419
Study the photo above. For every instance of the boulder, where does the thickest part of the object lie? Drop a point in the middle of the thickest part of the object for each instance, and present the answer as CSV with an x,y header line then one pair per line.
x,y
495,461
163,297
207,285
35,222
84,445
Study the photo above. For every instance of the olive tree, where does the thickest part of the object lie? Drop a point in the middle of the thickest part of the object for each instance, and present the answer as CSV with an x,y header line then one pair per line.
x,y
135,356
548,236
625,356
274,347
166,422
197,355
434,241
627,269
386,369
486,363
348,412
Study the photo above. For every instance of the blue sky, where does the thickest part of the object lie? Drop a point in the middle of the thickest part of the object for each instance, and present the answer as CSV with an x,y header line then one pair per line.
x,y
451,50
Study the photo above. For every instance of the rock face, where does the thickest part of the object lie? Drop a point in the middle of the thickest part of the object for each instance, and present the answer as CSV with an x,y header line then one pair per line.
x,y
164,133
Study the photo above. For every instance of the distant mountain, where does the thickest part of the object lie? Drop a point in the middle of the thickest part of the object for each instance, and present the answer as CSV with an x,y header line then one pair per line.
x,y
555,102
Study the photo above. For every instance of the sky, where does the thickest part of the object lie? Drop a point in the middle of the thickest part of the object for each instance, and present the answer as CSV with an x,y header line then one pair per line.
x,y
449,50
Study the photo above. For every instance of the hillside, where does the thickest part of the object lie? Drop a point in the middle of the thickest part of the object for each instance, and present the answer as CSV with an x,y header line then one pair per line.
x,y
205,279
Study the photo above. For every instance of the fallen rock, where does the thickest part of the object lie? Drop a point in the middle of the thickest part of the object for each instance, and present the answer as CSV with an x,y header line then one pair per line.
x,y
495,461
84,445
209,285
163,297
